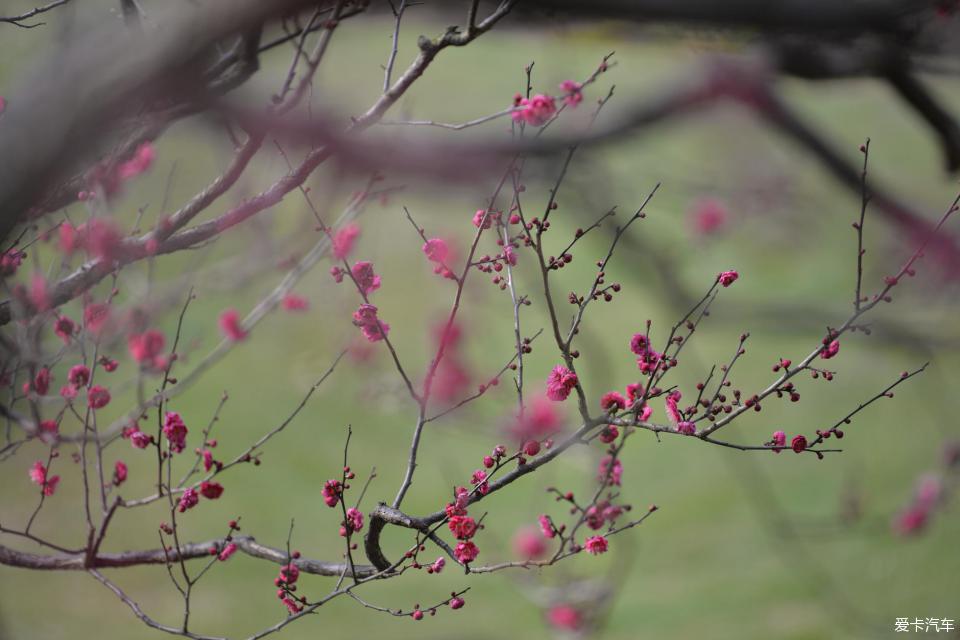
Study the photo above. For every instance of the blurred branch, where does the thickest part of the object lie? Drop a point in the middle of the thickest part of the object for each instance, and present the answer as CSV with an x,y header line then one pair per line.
x,y
18,20
133,67
811,16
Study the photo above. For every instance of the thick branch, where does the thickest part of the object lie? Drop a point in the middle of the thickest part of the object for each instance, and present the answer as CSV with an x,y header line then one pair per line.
x,y
188,551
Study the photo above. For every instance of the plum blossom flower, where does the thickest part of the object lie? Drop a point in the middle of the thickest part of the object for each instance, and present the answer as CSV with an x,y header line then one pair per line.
x,y
647,358
594,517
916,516
707,216
535,111
140,163
462,497
830,350
98,397
230,325
528,544
188,500
373,329
354,519
929,490
565,617
639,343
228,550
119,473
686,427
911,521
466,551
439,252
609,434
343,241
613,401
69,237
798,444
211,490
293,302
95,317
78,376
462,527
147,348
332,489
207,456
484,218
436,250
456,602
727,278
49,430
611,476
437,565
41,382
64,327
175,431
573,94
366,279
479,480
635,391
39,474
779,440
289,574
138,439
102,239
671,405
541,419
595,545
546,526
39,293
560,383
452,378
10,261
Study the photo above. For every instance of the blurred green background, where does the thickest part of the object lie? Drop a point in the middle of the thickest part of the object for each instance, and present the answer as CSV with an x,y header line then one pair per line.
x,y
746,545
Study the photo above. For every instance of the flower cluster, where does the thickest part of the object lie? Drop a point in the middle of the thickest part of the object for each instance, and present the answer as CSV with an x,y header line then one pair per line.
x,y
39,474
286,583
648,359
332,492
138,439
462,526
535,111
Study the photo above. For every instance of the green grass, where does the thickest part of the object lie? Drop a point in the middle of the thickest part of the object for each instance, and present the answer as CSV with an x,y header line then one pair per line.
x,y
712,562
